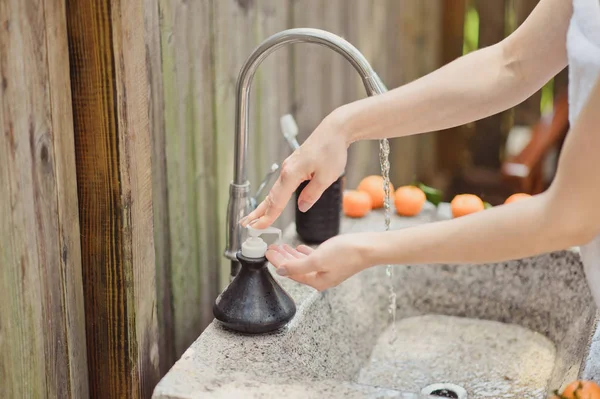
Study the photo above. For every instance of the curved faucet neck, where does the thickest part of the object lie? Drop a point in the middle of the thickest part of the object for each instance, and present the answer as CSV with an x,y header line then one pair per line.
x,y
372,82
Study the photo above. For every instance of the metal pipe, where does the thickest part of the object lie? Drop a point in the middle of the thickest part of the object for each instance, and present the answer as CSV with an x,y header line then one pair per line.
x,y
239,199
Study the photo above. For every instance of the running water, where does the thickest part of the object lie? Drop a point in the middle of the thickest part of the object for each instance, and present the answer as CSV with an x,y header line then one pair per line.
x,y
384,152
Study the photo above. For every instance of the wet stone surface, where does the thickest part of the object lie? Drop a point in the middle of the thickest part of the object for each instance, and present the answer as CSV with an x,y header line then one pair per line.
x,y
326,351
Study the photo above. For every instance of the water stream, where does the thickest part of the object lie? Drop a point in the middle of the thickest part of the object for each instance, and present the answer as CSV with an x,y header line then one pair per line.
x,y
384,152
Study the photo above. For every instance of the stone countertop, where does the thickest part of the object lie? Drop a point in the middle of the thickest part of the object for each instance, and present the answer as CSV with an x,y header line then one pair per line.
x,y
216,365
225,364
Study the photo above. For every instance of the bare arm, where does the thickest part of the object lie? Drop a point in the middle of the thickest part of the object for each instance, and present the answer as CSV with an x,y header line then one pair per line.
x,y
567,214
472,87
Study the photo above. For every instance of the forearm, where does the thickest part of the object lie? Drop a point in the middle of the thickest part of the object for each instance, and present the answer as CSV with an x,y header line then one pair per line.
x,y
567,214
518,230
472,87
455,94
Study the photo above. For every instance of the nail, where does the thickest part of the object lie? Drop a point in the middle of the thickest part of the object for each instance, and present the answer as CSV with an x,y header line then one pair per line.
x,y
243,221
253,222
282,271
304,206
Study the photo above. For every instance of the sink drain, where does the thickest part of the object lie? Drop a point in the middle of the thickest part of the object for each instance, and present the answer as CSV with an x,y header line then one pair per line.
x,y
444,391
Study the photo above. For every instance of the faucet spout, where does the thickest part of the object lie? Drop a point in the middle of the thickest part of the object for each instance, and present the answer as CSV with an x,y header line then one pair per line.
x,y
373,85
239,198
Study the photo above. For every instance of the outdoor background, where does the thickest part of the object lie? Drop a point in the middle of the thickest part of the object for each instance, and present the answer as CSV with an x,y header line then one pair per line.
x,y
117,155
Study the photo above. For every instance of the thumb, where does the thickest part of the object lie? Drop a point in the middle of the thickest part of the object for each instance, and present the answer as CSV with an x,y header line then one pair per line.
x,y
297,267
312,192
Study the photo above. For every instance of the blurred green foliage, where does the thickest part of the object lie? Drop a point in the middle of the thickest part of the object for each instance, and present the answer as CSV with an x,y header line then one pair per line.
x,y
471,32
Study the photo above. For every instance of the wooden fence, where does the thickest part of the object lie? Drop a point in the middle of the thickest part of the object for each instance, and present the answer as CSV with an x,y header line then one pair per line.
x,y
109,262
201,49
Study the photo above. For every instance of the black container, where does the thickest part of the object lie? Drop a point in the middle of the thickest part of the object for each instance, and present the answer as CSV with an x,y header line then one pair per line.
x,y
322,221
254,303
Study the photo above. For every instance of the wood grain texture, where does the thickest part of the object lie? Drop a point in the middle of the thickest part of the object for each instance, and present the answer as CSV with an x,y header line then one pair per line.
x,y
366,31
491,132
528,112
274,86
42,339
321,76
231,48
203,45
405,16
113,153
452,143
66,186
414,52
427,47
313,73
160,198
191,167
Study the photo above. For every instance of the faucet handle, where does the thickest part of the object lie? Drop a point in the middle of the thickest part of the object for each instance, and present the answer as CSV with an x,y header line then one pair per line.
x,y
289,129
263,184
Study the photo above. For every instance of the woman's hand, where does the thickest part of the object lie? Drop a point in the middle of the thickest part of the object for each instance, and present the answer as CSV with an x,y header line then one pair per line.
x,y
327,266
321,159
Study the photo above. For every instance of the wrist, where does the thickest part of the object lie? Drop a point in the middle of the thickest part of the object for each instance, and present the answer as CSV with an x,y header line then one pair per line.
x,y
345,121
367,248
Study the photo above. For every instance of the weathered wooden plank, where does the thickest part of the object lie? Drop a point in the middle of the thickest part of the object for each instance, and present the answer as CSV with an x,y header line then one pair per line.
x,y
365,30
427,45
528,112
404,16
312,69
334,92
273,83
452,143
209,244
68,211
231,47
191,166
323,80
162,238
113,153
490,135
42,337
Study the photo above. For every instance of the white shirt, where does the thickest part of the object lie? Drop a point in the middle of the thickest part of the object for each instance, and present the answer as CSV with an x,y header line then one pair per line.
x,y
583,48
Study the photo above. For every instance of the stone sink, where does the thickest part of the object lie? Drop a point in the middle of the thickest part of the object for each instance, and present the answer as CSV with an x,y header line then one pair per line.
x,y
508,330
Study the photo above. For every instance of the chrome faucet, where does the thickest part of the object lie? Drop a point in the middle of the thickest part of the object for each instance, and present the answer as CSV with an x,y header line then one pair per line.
x,y
240,201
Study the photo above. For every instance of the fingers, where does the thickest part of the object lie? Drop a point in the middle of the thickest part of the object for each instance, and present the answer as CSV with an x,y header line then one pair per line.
x,y
279,254
272,206
254,215
290,262
303,249
293,252
297,266
312,192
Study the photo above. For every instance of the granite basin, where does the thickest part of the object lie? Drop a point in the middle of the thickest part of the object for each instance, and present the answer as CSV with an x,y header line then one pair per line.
x,y
517,329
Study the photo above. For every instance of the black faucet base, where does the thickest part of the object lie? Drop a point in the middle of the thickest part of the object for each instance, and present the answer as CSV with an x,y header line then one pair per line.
x,y
254,302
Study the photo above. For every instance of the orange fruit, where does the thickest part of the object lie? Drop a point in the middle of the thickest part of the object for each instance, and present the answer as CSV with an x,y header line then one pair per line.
x,y
409,200
516,197
465,204
581,390
373,185
356,204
